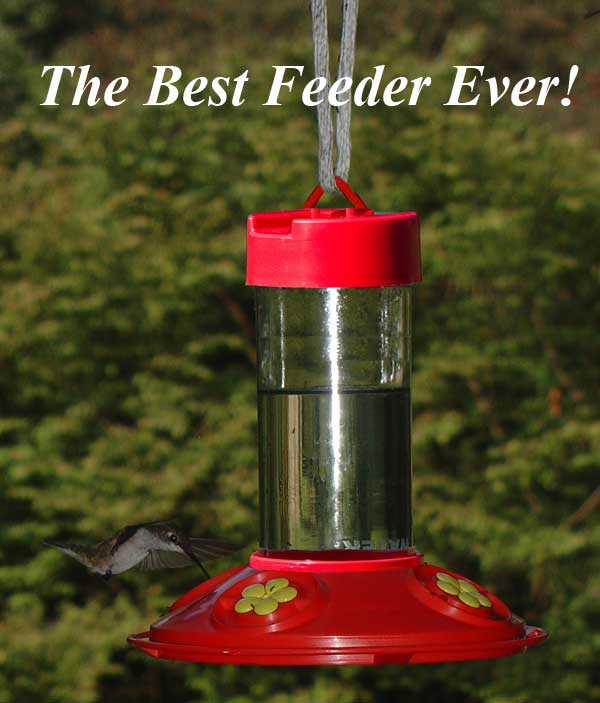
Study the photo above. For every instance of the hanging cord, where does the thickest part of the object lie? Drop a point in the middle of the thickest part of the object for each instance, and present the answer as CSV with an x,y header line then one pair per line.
x,y
345,68
325,128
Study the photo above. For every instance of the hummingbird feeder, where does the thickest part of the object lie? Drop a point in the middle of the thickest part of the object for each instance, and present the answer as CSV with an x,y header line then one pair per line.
x,y
336,579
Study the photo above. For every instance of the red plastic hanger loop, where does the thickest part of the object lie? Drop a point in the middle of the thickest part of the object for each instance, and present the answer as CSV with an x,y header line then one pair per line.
x,y
344,188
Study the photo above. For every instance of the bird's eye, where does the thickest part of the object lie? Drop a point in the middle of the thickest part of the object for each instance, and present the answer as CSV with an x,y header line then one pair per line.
x,y
173,537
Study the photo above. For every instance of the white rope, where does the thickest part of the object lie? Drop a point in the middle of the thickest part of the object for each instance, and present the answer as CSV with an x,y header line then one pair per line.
x,y
345,68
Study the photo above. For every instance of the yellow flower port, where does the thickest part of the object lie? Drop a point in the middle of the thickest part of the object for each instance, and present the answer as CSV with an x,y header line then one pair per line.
x,y
464,590
264,599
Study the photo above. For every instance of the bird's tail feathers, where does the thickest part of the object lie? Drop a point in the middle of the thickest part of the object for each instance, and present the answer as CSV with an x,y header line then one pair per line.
x,y
79,552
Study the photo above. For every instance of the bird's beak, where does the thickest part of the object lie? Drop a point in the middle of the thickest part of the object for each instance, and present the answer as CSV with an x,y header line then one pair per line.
x,y
187,548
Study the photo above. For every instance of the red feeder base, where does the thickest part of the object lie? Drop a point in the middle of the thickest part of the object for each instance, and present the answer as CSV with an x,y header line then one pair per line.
x,y
290,608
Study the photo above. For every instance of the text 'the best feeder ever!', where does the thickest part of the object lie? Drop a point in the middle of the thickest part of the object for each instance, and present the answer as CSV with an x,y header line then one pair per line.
x,y
336,579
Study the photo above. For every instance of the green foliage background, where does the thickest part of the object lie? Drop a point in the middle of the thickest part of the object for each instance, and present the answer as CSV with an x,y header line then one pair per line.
x,y
126,332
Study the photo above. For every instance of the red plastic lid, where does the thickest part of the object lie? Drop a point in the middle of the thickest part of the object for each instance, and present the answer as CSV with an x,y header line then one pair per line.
x,y
333,248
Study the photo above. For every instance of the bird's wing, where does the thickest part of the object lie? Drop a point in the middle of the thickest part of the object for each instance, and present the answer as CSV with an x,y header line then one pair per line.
x,y
159,559
202,550
79,552
206,549
123,536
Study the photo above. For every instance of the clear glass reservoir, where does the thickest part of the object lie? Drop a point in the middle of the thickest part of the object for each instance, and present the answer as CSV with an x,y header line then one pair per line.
x,y
334,415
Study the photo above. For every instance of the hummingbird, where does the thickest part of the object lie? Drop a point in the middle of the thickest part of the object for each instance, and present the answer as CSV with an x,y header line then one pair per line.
x,y
150,545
